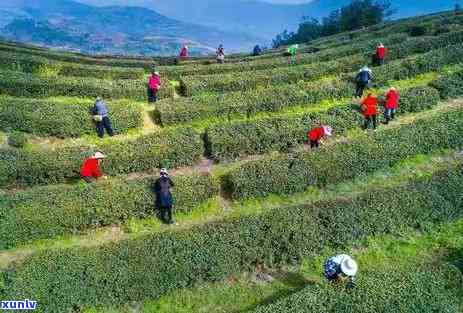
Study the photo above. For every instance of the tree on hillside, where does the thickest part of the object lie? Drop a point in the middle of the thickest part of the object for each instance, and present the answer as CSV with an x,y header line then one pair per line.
x,y
357,14
457,7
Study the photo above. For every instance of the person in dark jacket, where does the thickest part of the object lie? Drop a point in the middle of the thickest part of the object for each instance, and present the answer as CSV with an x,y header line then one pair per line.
x,y
101,118
220,54
164,200
363,78
257,51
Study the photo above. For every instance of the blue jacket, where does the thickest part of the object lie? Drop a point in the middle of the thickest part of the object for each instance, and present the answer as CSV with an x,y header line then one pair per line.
x,y
100,108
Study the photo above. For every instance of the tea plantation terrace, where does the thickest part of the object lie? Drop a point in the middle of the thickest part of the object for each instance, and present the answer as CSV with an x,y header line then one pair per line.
x,y
251,199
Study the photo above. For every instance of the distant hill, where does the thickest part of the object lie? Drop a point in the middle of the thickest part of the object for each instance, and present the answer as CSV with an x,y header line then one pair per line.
x,y
261,18
135,30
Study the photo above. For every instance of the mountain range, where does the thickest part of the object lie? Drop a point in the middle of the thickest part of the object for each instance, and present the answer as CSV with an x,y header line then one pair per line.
x,y
262,19
112,29
160,27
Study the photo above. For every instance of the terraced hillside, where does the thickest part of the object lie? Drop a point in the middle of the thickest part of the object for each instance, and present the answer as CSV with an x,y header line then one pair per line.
x,y
257,211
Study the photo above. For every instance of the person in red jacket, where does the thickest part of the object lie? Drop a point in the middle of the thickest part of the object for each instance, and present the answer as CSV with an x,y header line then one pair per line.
x,y
184,53
391,104
370,110
154,84
381,53
316,134
90,170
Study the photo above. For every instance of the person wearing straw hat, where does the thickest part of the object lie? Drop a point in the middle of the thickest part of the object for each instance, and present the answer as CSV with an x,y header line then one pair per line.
x,y
341,268
90,170
164,199
391,104
154,84
318,133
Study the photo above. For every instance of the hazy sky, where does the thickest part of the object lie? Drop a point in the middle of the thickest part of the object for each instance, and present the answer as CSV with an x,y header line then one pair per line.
x,y
287,1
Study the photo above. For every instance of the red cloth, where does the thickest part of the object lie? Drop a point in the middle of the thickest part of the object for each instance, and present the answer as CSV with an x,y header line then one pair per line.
x,y
392,99
381,52
370,106
90,168
154,82
316,134
184,53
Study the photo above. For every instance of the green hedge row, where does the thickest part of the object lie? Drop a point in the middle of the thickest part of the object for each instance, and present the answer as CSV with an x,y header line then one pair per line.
x,y
423,287
235,139
167,148
64,56
28,85
248,81
450,85
279,61
151,265
341,45
345,160
46,212
272,99
34,64
63,118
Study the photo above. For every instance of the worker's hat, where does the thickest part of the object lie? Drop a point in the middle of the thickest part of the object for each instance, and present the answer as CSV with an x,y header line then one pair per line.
x,y
164,171
99,155
348,266
328,130
393,89
156,73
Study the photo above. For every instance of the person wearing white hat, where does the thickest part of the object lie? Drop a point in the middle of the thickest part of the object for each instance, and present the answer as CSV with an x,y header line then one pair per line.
x,y
154,84
164,199
90,170
220,54
341,268
363,78
317,134
381,52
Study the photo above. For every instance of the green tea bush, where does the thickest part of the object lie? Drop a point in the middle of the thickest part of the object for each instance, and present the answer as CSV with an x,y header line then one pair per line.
x,y
168,148
235,139
345,160
151,265
420,287
450,85
246,104
17,139
31,51
248,81
63,118
45,212
28,85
